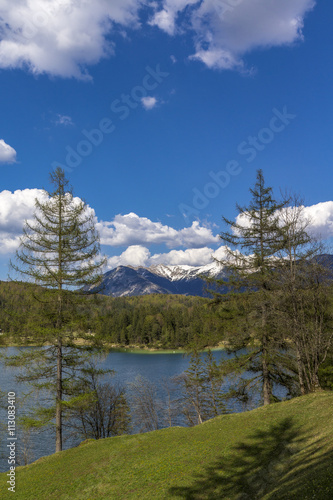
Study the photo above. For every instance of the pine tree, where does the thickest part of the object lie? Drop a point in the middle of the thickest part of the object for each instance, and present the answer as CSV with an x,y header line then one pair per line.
x,y
59,250
252,245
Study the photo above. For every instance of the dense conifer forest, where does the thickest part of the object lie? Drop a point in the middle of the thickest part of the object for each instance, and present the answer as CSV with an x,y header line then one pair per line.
x,y
165,321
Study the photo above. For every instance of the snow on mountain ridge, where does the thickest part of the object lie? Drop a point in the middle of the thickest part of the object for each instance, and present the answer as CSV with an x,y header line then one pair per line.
x,y
179,272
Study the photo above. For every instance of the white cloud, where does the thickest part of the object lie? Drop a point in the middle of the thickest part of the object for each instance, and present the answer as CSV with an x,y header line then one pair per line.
x,y
149,102
226,30
130,229
61,37
7,153
135,256
138,255
189,257
216,58
319,218
124,230
64,120
166,18
14,209
64,37
138,233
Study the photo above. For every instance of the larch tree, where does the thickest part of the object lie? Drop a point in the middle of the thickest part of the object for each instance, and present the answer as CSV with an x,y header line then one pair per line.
x,y
59,250
252,244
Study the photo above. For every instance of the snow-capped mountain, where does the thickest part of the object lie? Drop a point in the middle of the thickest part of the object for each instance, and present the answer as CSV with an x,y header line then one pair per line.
x,y
125,281
176,273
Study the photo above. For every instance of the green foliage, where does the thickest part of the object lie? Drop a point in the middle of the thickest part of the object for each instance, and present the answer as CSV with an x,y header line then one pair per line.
x,y
58,250
255,240
326,374
164,321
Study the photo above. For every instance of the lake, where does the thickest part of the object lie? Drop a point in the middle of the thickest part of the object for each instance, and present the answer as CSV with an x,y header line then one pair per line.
x,y
154,366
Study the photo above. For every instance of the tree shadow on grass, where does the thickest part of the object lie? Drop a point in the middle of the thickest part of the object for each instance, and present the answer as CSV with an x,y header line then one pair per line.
x,y
253,469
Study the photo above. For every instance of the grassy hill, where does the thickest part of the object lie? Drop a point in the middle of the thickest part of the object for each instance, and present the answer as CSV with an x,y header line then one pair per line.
x,y
284,451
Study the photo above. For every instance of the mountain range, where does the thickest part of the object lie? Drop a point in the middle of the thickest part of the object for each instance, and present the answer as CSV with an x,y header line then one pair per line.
x,y
126,281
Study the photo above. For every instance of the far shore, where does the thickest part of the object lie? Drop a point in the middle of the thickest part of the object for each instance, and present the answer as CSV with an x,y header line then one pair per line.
x,y
135,349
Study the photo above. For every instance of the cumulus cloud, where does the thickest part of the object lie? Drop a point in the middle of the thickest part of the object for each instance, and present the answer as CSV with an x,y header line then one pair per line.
x,y
65,37
139,233
166,18
190,257
61,37
319,218
138,255
130,229
14,209
7,153
149,102
136,233
135,255
226,30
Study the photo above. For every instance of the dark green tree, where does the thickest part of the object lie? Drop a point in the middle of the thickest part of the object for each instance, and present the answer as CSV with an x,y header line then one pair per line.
x,y
59,250
253,243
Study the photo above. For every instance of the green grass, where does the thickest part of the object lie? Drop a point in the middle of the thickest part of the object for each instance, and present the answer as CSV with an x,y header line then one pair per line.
x,y
284,451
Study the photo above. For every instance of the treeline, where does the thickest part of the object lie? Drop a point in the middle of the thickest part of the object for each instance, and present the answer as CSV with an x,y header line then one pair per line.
x,y
165,321
157,320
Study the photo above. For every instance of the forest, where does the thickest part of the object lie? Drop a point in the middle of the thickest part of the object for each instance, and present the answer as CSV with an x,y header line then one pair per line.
x,y
156,321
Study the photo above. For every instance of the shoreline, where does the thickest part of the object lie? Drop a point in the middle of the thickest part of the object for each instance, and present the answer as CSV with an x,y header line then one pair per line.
x,y
130,349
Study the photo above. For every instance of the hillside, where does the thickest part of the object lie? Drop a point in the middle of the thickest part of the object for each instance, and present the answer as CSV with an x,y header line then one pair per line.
x,y
280,452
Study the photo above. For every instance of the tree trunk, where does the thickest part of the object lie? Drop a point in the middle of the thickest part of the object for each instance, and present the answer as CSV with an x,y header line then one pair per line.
x,y
316,384
267,389
300,369
266,380
59,397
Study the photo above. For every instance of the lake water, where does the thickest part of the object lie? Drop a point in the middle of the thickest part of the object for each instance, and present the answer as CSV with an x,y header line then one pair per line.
x,y
153,366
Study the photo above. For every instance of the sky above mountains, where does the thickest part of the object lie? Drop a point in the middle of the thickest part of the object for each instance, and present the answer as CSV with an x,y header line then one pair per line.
x,y
161,112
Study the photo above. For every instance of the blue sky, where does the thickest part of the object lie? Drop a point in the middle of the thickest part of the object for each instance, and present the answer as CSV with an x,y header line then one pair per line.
x,y
161,113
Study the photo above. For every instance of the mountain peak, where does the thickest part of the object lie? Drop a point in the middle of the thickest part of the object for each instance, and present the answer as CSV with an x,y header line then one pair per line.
x,y
125,281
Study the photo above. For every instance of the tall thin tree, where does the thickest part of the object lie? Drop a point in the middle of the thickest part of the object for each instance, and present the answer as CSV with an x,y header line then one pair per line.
x,y
59,250
252,245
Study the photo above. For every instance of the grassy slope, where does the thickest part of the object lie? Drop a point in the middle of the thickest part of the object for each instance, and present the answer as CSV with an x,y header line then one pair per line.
x,y
284,451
